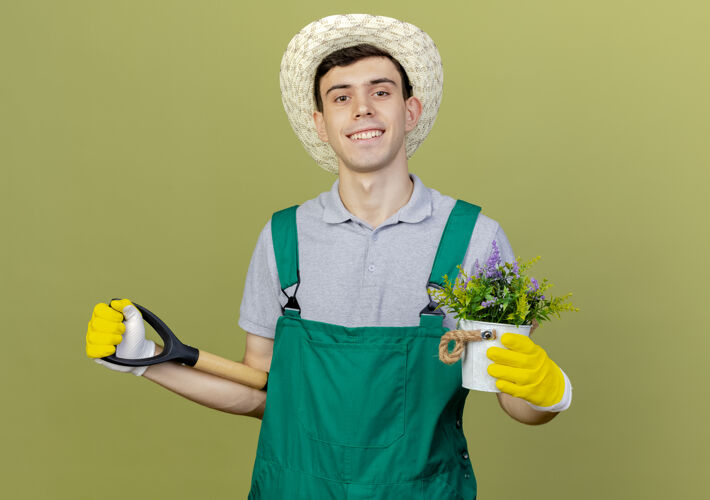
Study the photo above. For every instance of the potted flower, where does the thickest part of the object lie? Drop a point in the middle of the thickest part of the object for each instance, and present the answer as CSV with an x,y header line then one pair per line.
x,y
496,299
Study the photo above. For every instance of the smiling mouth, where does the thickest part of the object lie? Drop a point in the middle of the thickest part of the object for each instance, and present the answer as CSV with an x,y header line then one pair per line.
x,y
367,136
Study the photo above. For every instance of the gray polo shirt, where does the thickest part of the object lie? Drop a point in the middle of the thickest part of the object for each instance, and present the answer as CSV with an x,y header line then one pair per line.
x,y
354,275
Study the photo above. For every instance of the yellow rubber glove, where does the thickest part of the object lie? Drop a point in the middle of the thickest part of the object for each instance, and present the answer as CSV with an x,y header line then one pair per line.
x,y
118,329
525,371
105,329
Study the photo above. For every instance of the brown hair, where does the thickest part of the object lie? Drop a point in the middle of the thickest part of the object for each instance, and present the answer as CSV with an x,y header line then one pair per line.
x,y
349,55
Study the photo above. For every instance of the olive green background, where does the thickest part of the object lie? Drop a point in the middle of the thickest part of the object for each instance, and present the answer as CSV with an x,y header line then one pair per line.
x,y
144,146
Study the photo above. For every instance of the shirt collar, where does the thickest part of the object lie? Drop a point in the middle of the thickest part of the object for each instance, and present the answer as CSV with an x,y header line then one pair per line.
x,y
417,208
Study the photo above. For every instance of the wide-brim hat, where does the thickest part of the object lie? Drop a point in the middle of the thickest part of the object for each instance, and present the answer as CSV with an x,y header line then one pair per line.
x,y
409,45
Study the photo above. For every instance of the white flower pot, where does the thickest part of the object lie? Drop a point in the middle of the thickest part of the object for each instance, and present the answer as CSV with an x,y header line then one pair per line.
x,y
474,362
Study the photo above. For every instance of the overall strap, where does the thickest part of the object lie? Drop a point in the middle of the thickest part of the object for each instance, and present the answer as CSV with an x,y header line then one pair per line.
x,y
454,242
451,252
285,240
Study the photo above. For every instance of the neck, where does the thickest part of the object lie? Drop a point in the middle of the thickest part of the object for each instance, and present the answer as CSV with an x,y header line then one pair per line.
x,y
375,196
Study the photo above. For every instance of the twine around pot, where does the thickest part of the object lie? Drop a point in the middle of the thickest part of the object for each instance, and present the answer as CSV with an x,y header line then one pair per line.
x,y
461,337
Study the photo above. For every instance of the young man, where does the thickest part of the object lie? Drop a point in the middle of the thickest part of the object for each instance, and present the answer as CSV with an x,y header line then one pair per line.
x,y
359,404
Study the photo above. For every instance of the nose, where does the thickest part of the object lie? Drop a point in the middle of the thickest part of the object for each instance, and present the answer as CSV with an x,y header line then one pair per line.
x,y
363,107
363,112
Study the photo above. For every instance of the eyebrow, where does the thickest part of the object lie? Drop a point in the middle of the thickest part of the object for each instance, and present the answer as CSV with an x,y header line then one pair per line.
x,y
372,82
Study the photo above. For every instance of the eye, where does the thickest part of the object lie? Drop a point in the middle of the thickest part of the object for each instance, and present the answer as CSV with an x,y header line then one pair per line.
x,y
382,92
337,98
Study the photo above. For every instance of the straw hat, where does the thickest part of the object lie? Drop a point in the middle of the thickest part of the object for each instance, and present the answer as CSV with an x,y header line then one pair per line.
x,y
409,45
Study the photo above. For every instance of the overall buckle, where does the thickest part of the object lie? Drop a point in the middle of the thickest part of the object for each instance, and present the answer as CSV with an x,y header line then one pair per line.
x,y
432,308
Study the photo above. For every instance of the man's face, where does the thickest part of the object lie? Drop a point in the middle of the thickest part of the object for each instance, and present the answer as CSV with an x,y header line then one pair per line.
x,y
366,96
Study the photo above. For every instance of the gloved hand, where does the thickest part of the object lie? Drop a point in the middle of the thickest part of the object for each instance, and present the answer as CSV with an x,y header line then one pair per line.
x,y
525,371
106,330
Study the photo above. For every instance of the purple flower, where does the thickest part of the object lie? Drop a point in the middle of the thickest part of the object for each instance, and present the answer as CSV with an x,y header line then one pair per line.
x,y
493,273
477,269
515,268
535,286
542,297
488,303
494,259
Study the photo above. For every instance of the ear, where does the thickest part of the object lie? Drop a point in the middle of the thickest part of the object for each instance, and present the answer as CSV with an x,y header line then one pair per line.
x,y
320,126
412,113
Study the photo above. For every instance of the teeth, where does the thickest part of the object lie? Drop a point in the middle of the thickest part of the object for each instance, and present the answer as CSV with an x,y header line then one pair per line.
x,y
367,135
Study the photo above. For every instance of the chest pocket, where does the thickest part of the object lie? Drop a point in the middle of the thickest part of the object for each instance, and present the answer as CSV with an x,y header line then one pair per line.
x,y
352,394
